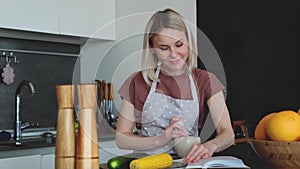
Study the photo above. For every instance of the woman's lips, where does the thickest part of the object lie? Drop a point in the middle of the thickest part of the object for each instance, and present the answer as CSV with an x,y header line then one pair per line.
x,y
175,62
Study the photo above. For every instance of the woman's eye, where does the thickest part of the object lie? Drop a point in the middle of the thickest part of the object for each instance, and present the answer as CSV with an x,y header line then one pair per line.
x,y
163,48
179,44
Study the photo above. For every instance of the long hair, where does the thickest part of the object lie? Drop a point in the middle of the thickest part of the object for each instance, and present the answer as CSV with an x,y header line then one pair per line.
x,y
167,18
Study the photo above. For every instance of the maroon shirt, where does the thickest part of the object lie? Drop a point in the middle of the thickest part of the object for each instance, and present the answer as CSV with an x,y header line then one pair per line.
x,y
135,90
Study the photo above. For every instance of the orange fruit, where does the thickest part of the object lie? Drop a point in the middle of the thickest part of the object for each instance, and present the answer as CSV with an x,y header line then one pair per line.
x,y
260,132
284,126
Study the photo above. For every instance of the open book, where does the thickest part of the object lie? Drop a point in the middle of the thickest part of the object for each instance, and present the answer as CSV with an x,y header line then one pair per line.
x,y
217,162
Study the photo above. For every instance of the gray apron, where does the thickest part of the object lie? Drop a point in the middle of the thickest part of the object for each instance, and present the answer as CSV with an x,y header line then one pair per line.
x,y
159,109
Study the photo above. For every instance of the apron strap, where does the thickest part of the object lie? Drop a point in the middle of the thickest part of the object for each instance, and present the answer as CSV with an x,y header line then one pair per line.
x,y
154,83
193,87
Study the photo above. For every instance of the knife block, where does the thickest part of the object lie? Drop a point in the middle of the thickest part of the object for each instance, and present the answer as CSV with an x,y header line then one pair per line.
x,y
65,153
87,154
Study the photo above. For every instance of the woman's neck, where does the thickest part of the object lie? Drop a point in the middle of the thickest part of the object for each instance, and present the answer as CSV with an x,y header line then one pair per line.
x,y
173,73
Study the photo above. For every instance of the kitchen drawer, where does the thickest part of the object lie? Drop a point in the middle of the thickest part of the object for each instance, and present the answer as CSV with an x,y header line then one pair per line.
x,y
48,161
24,162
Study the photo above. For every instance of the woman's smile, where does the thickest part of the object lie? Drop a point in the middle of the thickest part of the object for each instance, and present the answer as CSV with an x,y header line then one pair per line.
x,y
175,62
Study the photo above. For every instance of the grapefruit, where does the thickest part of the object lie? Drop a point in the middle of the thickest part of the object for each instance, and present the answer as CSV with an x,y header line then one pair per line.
x,y
284,126
260,132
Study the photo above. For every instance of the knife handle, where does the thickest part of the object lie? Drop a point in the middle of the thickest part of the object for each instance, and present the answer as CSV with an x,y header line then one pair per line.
x,y
111,91
99,92
105,91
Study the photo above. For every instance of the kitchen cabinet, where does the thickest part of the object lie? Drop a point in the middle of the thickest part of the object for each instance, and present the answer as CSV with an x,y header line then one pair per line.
x,y
48,161
24,162
30,15
29,162
89,18
41,158
45,159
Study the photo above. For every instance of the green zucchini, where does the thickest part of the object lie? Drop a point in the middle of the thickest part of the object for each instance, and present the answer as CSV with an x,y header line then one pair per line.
x,y
122,162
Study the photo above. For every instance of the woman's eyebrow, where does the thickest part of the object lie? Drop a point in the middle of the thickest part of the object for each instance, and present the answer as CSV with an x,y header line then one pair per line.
x,y
180,40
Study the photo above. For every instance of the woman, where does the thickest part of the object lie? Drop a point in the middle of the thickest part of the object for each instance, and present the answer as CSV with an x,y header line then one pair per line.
x,y
170,89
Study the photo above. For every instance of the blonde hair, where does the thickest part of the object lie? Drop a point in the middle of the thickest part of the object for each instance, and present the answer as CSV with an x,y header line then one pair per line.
x,y
167,18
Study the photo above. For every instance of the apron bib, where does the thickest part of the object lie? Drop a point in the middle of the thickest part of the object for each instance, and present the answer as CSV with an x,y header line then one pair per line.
x,y
159,109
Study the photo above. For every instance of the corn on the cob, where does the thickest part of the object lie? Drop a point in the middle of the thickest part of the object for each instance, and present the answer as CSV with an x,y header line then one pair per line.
x,y
157,161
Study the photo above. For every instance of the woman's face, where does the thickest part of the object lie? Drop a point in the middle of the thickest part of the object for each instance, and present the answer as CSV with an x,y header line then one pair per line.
x,y
171,48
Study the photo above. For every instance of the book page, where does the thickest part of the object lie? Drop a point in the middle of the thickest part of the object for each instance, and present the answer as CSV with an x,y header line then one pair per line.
x,y
219,162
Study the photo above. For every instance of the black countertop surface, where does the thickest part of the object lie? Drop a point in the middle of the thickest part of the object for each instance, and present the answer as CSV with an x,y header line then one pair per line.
x,y
246,153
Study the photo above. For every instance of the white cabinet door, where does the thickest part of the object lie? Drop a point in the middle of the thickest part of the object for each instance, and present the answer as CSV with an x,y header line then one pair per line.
x,y
88,18
24,162
48,161
30,15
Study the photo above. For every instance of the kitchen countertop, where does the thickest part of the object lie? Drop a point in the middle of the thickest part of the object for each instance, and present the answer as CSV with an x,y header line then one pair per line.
x,y
246,153
47,148
107,144
242,150
103,166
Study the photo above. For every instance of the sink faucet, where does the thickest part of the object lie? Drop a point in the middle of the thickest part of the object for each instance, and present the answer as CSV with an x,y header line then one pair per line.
x,y
18,123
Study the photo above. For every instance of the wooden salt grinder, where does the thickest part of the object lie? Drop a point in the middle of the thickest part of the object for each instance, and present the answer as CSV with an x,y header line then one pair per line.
x,y
87,155
65,133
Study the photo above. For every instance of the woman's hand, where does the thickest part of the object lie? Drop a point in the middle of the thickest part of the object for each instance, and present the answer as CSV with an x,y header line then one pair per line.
x,y
200,151
174,130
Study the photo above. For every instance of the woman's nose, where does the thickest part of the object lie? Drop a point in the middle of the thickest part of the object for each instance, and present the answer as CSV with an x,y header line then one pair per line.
x,y
173,52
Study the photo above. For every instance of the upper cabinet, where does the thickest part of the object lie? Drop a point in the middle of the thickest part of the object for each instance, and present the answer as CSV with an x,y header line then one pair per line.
x,y
78,18
88,18
30,15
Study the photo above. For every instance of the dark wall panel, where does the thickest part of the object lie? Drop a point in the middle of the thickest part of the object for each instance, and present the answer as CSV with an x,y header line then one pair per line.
x,y
45,71
258,43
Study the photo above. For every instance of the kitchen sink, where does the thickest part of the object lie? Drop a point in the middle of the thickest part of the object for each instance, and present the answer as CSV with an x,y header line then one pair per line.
x,y
27,143
32,139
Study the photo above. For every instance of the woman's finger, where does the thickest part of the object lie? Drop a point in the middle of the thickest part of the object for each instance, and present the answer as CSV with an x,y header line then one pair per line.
x,y
196,153
175,119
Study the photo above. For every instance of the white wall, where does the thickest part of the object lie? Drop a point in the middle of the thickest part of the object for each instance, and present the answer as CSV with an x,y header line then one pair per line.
x,y
114,61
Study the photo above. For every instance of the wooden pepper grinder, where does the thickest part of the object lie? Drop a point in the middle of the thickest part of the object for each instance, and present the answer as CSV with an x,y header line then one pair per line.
x,y
65,134
87,155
